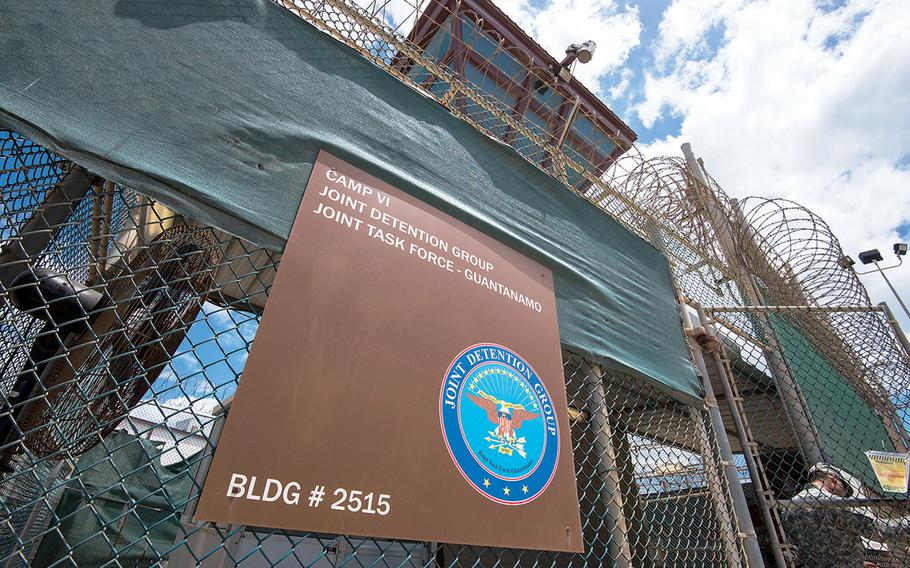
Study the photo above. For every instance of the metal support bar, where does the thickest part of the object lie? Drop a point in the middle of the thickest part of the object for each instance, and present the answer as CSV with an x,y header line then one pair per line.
x,y
745,440
790,394
737,331
805,308
740,507
94,243
901,336
725,517
612,494
107,209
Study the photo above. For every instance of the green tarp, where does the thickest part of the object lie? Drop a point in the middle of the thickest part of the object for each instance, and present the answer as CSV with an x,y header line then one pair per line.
x,y
219,107
121,503
847,427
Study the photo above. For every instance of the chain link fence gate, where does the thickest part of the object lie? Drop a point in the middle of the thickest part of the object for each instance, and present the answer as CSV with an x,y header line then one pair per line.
x,y
125,328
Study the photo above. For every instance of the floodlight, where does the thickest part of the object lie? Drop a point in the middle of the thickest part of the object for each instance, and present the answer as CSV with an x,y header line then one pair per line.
x,y
870,256
582,51
900,249
846,261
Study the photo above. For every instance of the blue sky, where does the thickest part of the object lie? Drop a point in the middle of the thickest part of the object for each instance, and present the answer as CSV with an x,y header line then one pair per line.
x,y
211,357
798,99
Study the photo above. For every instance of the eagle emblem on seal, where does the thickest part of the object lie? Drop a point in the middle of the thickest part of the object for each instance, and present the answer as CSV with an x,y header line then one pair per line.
x,y
508,418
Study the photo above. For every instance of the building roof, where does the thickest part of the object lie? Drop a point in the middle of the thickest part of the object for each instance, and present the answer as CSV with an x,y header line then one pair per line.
x,y
494,19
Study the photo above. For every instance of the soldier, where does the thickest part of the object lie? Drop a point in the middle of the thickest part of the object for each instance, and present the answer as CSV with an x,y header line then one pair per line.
x,y
829,536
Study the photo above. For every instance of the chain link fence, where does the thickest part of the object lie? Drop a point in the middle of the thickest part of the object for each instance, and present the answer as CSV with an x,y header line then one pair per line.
x,y
808,395
125,330
125,327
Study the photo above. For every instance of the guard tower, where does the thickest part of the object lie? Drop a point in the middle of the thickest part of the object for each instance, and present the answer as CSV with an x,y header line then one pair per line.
x,y
480,44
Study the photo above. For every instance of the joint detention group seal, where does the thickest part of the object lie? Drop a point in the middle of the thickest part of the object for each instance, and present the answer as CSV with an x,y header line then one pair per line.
x,y
499,424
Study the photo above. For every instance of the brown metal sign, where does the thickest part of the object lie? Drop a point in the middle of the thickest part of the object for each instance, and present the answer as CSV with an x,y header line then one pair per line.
x,y
406,382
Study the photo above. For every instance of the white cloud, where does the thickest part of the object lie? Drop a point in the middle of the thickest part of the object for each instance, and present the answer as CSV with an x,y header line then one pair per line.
x,y
798,102
186,364
615,27
621,87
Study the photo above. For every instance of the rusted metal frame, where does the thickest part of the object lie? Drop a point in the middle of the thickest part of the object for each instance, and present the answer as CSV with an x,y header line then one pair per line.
x,y
550,117
523,92
557,135
807,308
510,31
411,52
408,50
567,118
521,105
457,43
506,82
426,27
620,145
447,56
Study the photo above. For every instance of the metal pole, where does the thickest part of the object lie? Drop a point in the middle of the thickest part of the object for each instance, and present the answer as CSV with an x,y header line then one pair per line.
x,y
607,468
745,443
37,231
790,393
901,336
715,481
893,291
740,507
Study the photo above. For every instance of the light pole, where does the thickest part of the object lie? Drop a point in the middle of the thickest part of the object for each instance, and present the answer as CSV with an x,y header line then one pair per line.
x,y
874,257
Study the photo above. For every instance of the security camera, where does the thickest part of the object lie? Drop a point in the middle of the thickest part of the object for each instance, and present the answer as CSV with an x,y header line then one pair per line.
x,y
582,51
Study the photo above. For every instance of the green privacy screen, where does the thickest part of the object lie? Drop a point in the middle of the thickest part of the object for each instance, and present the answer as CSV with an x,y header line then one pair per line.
x,y
847,427
219,108
135,506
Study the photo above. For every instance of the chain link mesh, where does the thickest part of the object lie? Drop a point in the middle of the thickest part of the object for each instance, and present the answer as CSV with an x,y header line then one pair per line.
x,y
107,453
125,327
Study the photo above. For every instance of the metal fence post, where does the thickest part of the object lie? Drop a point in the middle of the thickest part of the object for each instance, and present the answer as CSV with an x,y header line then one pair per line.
x,y
790,393
741,508
725,517
901,336
607,468
745,441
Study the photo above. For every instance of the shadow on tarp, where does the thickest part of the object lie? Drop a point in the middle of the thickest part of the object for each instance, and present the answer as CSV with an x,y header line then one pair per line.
x,y
219,107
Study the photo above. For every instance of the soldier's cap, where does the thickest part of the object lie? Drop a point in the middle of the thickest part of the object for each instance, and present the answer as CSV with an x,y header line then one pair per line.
x,y
853,485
